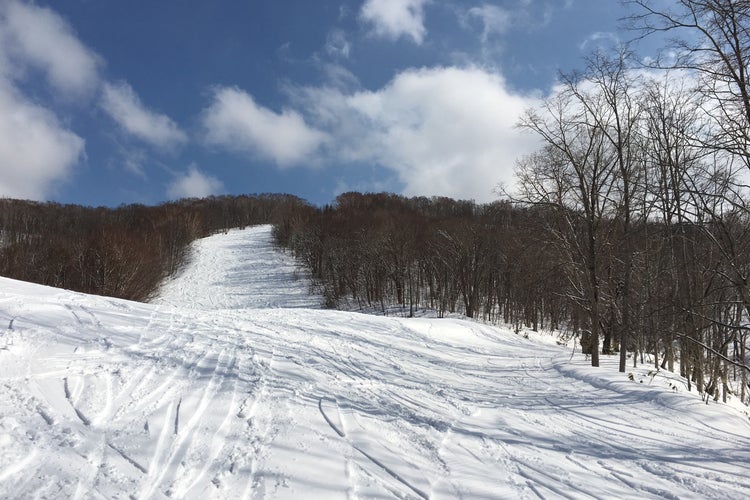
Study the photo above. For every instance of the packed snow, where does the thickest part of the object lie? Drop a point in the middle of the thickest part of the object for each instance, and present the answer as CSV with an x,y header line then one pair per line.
x,y
239,270
235,384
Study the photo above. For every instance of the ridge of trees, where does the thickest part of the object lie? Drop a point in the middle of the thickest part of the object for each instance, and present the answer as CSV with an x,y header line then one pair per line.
x,y
380,250
123,252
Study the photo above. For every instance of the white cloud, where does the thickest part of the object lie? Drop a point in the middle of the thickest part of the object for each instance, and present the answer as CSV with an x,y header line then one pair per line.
x,y
495,20
338,76
514,15
604,38
443,131
132,160
121,103
236,122
36,151
38,37
393,19
194,184
337,44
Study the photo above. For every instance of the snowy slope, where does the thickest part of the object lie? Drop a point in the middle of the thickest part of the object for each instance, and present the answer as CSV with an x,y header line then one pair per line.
x,y
239,270
210,393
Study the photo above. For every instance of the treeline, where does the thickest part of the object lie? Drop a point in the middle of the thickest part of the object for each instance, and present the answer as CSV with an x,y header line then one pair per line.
x,y
122,252
500,263
380,251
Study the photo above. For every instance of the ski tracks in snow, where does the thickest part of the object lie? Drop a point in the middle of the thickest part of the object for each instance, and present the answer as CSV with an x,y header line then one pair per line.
x,y
209,393
150,406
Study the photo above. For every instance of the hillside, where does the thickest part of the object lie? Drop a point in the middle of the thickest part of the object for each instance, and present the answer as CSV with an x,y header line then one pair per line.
x,y
234,383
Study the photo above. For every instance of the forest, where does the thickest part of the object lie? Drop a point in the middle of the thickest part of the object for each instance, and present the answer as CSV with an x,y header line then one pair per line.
x,y
123,252
502,263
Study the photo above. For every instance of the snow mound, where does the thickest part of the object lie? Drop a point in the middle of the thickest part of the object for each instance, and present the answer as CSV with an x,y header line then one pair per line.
x,y
249,393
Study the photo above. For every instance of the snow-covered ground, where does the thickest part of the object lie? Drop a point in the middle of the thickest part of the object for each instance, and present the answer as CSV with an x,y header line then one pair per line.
x,y
235,385
239,270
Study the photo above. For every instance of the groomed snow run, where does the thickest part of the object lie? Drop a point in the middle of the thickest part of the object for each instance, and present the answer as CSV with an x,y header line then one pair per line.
x,y
233,384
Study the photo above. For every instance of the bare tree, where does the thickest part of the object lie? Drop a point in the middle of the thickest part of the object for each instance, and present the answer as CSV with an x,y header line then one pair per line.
x,y
616,112
710,38
575,174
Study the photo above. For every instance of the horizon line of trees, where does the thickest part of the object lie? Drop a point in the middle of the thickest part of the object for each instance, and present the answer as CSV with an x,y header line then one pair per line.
x,y
123,252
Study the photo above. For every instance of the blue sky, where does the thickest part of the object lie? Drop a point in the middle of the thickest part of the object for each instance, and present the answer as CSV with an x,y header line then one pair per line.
x,y
106,102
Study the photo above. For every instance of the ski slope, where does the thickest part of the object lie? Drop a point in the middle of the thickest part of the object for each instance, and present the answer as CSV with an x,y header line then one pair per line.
x,y
235,384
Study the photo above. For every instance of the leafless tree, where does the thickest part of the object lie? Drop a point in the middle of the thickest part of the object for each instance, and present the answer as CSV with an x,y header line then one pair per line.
x,y
711,39
575,174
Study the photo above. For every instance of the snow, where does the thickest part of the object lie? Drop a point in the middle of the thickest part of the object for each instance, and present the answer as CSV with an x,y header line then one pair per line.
x,y
235,384
239,270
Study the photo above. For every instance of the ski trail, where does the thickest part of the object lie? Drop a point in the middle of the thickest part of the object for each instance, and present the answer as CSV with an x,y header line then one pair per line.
x,y
339,429
233,388
257,436
156,463
222,276
69,397
216,425
128,459
106,413
194,407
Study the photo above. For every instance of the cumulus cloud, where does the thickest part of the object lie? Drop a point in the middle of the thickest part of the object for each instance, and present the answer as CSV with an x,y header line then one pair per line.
x,y
38,37
36,151
393,19
443,131
236,122
121,103
194,184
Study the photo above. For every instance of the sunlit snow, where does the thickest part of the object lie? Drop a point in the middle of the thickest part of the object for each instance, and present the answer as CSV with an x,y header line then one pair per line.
x,y
234,383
